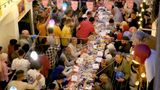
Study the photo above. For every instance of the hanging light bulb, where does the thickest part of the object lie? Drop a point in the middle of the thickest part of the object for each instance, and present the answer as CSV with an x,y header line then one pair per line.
x,y
141,5
64,6
34,55
137,83
141,19
139,22
51,23
13,88
144,0
140,14
142,10
143,75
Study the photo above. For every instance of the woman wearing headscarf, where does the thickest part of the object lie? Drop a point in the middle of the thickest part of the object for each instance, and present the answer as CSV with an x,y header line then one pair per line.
x,y
3,70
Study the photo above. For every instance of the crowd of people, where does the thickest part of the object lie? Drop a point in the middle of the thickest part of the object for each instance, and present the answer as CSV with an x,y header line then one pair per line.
x,y
128,62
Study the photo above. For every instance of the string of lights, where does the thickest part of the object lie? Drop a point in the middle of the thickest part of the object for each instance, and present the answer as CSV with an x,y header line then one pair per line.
x,y
141,14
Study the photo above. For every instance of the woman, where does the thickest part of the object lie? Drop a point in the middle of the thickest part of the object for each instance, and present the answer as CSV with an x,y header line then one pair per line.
x,y
73,47
66,33
3,70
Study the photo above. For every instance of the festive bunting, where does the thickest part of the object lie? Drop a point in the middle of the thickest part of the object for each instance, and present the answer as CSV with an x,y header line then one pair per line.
x,y
129,4
89,5
59,4
45,2
74,5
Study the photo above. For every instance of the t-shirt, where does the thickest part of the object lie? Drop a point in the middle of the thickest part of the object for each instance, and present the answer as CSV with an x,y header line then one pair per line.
x,y
20,64
31,77
19,85
42,29
66,35
86,27
57,31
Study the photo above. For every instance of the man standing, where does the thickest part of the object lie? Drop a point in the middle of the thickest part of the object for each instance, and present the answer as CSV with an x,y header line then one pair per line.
x,y
85,29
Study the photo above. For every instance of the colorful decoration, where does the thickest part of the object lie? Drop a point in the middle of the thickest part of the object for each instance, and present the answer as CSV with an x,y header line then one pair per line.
x,y
59,4
89,5
74,5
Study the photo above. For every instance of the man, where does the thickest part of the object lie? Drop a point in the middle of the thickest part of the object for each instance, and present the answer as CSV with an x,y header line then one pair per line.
x,y
125,45
121,66
20,63
85,29
25,39
134,20
18,84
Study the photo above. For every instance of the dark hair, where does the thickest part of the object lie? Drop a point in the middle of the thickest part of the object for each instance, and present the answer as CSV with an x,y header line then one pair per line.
x,y
21,52
92,19
13,42
0,48
25,48
44,40
111,20
69,12
19,72
50,30
36,66
60,76
52,86
89,13
16,47
80,19
125,38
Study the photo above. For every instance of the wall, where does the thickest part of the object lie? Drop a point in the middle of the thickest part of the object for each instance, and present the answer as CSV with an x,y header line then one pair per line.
x,y
9,22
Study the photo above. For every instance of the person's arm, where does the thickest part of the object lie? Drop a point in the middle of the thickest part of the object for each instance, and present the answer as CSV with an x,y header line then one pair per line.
x,y
32,86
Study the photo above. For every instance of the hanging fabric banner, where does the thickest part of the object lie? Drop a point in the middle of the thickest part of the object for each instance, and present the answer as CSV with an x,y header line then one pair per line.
x,y
45,3
74,5
108,4
129,4
59,4
89,5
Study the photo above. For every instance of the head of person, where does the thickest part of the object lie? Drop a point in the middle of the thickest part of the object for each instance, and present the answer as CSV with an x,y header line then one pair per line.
x,y
25,34
74,40
118,57
133,15
41,19
139,37
103,63
68,51
132,29
4,57
68,22
60,78
69,13
92,20
125,40
1,49
141,53
50,30
21,53
16,47
125,28
111,21
103,78
89,14
13,42
25,48
20,75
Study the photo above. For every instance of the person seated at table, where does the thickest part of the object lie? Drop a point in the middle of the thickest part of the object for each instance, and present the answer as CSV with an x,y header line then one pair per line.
x,y
125,45
73,47
111,24
67,56
60,82
85,29
105,82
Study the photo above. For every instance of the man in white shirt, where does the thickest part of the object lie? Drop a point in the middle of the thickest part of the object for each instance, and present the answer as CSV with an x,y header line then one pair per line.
x,y
19,84
20,63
